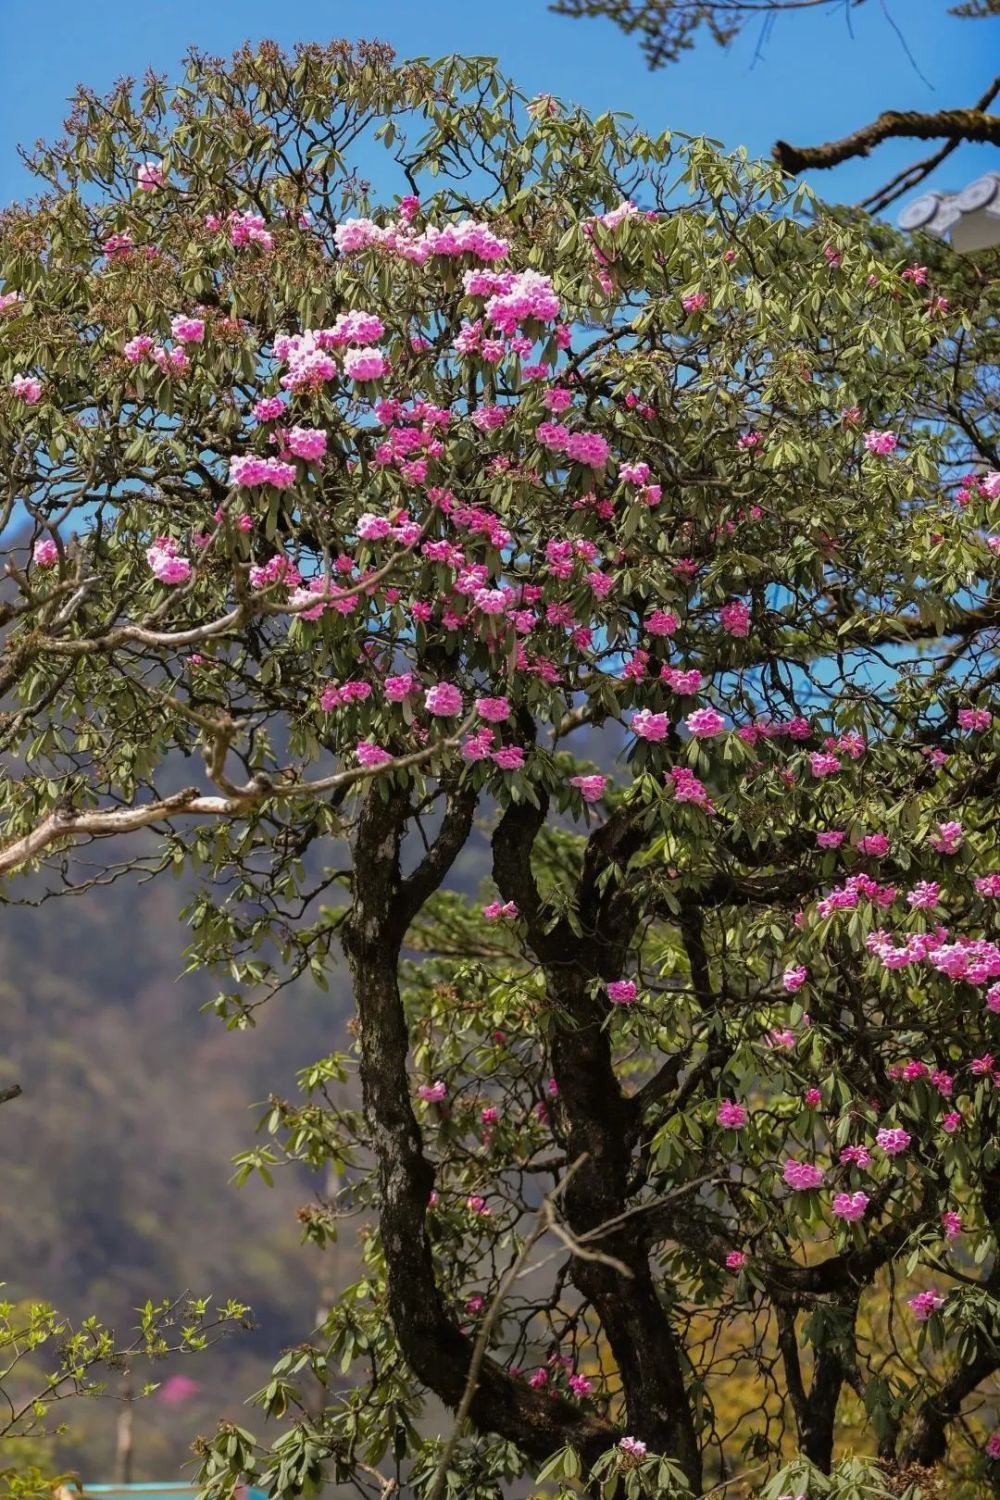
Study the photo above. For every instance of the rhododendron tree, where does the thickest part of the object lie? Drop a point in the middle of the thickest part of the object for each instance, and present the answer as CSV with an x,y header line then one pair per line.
x,y
529,510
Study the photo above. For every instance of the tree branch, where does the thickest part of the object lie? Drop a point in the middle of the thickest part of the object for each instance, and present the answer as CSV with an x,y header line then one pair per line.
x,y
951,124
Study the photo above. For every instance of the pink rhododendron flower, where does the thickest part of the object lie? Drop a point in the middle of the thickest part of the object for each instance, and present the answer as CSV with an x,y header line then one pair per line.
x,y
622,991
632,1449
650,726
924,1304
443,699
735,618
831,838
499,909
187,330
166,563
948,838
591,788
150,175
951,1223
925,893
45,553
893,1141
801,1175
27,389
730,1115
794,978
661,622
306,442
704,723
370,756
432,1093
736,1260
250,471
881,443
874,843
364,364
495,710
850,1206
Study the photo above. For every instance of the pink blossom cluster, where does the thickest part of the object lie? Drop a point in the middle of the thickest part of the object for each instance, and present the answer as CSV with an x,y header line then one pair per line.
x,y
687,788
856,888
26,388
466,237
974,718
249,470
186,330
150,175
801,1175
850,1206
587,448
622,991
975,960
306,442
704,723
248,228
338,695
371,756
591,788
923,1305
881,443
498,911
166,562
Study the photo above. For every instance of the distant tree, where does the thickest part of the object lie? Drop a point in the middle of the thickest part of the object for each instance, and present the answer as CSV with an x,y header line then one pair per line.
x,y
633,551
45,1363
669,28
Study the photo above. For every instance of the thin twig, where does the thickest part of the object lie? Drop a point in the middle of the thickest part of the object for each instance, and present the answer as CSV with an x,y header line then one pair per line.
x,y
544,1222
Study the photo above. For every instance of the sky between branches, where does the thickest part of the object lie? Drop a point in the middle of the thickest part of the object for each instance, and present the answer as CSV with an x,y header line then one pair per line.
x,y
813,82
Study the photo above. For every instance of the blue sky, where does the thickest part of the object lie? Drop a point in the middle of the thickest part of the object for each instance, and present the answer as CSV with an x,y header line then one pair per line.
x,y
813,82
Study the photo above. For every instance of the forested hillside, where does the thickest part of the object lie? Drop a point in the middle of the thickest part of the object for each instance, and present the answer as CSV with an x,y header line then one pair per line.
x,y
117,1162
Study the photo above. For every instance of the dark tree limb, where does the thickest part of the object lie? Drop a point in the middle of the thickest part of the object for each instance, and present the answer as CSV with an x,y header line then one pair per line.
x,y
927,1442
950,124
437,1351
916,172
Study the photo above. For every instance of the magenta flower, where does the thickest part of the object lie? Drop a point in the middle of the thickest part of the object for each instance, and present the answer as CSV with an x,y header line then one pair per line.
x,y
801,1175
881,443
591,788
27,389
371,756
924,1304
850,1206
432,1093
735,618
650,726
496,710
622,991
793,979
730,1115
893,1141
443,699
704,723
